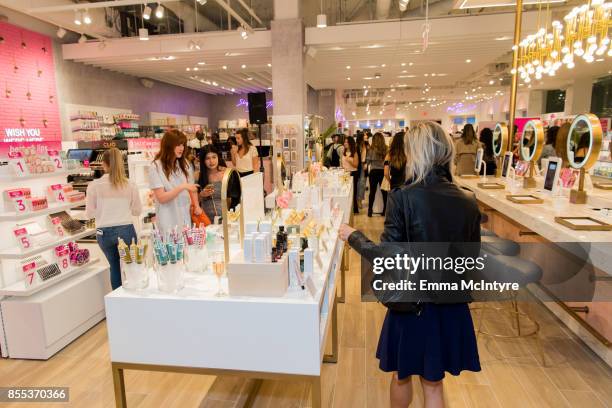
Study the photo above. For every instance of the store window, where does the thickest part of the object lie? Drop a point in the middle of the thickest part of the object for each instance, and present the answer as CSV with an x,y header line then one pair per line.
x,y
555,101
601,98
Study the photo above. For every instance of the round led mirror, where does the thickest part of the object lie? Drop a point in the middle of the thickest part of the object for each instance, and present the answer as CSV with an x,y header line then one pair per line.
x,y
584,141
500,139
532,141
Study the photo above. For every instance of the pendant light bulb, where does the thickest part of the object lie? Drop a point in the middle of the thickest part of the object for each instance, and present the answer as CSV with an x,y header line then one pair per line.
x,y
77,17
159,11
86,17
146,13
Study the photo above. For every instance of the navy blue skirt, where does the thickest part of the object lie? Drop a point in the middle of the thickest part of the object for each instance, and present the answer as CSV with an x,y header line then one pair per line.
x,y
441,339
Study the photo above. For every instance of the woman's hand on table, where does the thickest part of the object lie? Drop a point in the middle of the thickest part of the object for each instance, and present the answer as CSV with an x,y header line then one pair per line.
x,y
345,231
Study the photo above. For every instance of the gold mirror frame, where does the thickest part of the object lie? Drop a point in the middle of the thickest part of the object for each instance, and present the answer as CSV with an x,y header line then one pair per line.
x,y
225,211
561,143
538,128
503,146
580,196
592,155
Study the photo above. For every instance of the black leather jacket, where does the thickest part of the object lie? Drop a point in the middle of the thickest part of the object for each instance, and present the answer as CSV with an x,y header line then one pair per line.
x,y
434,210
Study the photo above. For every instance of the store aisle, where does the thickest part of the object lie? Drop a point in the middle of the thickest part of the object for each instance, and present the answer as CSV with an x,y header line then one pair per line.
x,y
512,376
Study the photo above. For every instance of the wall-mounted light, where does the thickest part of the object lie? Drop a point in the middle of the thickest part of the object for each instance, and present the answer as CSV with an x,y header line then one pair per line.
x,y
61,32
243,32
146,13
159,11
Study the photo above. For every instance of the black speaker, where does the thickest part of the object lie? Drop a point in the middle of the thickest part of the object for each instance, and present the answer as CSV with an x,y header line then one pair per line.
x,y
258,113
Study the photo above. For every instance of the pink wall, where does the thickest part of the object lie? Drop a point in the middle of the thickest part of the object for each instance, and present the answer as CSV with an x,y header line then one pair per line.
x,y
26,66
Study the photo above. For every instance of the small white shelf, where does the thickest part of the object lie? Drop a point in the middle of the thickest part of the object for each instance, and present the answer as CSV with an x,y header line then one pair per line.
x,y
53,207
16,253
15,178
19,288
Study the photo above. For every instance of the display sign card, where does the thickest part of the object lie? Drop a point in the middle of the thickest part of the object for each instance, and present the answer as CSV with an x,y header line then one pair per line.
x,y
56,159
17,163
57,191
23,238
18,199
29,271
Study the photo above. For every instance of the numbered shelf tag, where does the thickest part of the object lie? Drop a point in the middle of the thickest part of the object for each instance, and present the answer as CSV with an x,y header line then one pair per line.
x,y
56,226
57,191
18,164
56,159
18,198
63,258
29,273
22,237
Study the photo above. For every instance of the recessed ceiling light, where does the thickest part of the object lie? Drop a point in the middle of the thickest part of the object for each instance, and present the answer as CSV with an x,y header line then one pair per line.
x,y
249,78
187,69
348,78
503,38
224,67
195,68
383,65
403,64
491,82
392,89
243,66
201,63
269,65
468,60
426,75
410,64
336,49
348,67
269,88
371,46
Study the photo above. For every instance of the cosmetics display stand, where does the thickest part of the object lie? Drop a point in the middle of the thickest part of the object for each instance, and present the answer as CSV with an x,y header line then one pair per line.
x,y
196,331
40,318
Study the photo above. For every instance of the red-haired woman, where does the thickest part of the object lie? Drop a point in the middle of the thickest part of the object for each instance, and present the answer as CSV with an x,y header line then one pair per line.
x,y
172,182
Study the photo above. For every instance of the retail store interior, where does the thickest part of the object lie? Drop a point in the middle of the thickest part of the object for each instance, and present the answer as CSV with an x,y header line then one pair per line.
x,y
205,316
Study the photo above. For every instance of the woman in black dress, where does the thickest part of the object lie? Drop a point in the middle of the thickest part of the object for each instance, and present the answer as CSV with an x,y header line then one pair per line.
x,y
425,339
395,164
486,139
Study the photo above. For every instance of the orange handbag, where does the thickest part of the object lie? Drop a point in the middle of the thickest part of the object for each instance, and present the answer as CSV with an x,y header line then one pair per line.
x,y
198,219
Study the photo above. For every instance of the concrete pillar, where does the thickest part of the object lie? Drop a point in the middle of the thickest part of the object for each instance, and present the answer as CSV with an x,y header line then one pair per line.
x,y
288,59
578,96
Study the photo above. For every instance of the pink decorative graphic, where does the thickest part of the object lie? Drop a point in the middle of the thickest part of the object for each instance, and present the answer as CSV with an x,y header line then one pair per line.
x,y
29,114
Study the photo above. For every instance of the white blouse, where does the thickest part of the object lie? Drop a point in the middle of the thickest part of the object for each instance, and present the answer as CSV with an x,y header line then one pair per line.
x,y
245,163
111,206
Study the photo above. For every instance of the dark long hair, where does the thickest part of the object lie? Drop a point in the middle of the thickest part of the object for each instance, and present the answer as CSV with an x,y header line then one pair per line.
x,y
203,180
468,135
246,142
360,141
352,145
486,138
551,135
169,162
397,154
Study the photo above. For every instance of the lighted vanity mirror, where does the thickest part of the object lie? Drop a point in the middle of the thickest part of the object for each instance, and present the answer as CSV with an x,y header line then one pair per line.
x,y
582,150
530,148
500,139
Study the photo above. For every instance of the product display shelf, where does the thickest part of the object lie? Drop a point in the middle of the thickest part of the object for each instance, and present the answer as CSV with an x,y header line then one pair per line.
x,y
19,288
14,178
53,208
16,253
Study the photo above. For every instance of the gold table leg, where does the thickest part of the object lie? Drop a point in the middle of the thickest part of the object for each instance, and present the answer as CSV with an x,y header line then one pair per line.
x,y
343,268
317,401
119,384
333,357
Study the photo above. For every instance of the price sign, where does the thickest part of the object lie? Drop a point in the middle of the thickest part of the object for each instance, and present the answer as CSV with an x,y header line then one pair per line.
x,y
63,258
18,164
55,158
19,201
29,270
56,222
23,238
58,193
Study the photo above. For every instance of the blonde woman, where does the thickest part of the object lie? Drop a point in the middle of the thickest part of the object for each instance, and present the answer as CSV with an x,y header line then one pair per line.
x,y
112,200
425,339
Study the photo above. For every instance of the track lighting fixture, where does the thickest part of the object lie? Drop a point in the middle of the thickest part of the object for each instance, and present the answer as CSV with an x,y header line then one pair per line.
x,y
159,11
77,17
86,17
146,13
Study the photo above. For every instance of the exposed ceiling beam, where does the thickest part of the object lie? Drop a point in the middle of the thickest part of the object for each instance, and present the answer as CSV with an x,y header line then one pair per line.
x,y
250,10
230,10
90,6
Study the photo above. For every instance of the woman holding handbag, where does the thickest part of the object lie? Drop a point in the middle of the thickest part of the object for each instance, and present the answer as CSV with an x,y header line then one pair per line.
x,y
172,182
425,339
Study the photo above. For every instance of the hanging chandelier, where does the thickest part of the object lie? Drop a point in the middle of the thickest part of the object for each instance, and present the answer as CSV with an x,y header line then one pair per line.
x,y
585,35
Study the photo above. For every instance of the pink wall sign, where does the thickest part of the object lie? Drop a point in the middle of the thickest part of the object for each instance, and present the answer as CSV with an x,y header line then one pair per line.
x,y
520,124
29,112
139,144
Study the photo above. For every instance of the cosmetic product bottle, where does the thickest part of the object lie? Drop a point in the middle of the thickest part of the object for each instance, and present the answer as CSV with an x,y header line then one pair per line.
x,y
248,248
250,227
280,238
259,246
294,262
308,262
313,243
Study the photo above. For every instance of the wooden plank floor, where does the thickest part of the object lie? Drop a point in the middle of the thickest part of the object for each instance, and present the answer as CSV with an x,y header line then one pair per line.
x,y
513,374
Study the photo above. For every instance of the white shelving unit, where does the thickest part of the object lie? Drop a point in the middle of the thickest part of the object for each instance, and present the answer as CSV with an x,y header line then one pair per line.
x,y
37,321
53,208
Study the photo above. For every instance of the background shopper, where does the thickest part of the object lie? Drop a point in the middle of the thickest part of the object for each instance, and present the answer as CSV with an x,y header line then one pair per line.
x,y
362,148
426,339
244,154
112,200
486,140
350,163
172,181
376,164
466,149
335,152
395,162
211,177
549,147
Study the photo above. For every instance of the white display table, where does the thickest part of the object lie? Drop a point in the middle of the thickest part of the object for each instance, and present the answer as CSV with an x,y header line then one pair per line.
x,y
195,331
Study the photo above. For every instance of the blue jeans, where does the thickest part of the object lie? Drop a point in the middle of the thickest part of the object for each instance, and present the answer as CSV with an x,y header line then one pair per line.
x,y
107,238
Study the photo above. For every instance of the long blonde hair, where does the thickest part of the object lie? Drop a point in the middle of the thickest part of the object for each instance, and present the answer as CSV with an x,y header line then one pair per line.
x,y
116,171
427,145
